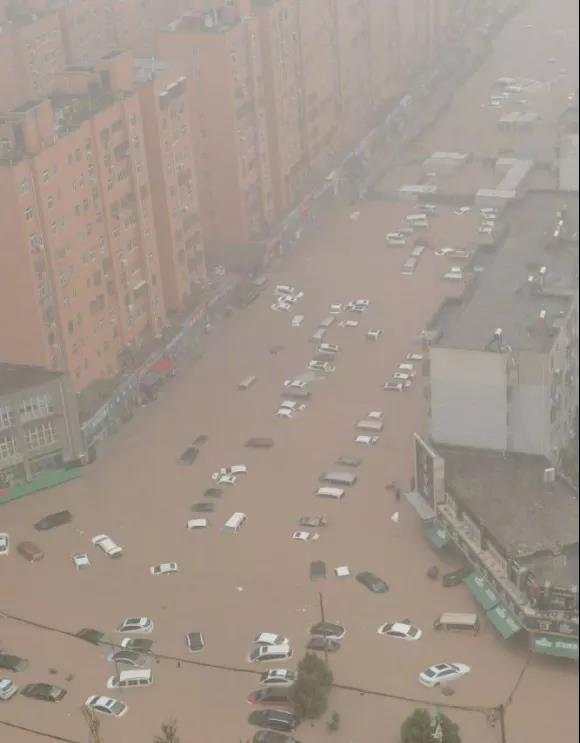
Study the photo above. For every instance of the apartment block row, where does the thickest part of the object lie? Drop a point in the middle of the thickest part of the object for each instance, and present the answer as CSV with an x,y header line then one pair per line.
x,y
137,137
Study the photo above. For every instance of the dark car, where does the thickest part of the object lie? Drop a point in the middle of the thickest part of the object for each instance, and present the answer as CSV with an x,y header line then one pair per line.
x,y
270,695
328,629
275,719
317,570
214,493
30,551
325,644
13,662
259,443
349,461
203,507
91,635
189,455
269,736
195,642
137,644
43,692
455,577
53,519
372,582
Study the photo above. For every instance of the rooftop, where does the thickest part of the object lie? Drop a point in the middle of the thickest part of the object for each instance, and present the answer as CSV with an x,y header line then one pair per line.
x,y
504,296
17,377
507,494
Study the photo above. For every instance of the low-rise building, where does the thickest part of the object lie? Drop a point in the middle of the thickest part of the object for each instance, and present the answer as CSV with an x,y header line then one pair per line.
x,y
39,422
516,523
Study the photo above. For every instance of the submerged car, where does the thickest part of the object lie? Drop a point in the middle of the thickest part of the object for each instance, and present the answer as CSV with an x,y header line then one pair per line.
x,y
400,631
164,568
443,673
136,624
372,582
53,520
278,677
189,455
312,521
106,706
455,577
274,719
324,644
43,692
332,630
13,663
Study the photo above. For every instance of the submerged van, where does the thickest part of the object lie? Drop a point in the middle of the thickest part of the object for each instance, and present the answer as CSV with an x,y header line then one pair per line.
x,y
459,622
235,523
338,478
374,426
332,493
246,383
131,679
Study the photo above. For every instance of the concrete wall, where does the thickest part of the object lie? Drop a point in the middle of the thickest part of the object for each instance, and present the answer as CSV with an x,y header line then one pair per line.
x,y
468,398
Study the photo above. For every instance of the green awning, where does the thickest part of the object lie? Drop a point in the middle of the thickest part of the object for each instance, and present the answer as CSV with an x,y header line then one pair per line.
x,y
554,645
505,622
437,534
482,591
45,480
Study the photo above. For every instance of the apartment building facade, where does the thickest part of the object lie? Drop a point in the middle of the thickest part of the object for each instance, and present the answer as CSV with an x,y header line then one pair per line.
x,y
169,146
79,263
220,51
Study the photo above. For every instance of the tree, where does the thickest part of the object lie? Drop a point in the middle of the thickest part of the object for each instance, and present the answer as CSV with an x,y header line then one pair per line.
x,y
310,692
420,726
168,733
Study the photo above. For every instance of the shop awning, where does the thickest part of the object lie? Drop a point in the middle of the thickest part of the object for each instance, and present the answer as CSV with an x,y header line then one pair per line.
x,y
505,622
561,647
437,534
482,592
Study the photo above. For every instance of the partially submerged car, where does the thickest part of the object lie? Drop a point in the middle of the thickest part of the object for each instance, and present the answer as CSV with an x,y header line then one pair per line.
x,y
313,521
52,520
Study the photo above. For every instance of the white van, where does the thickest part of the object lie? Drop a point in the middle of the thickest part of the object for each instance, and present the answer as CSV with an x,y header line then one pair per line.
x,y
332,493
338,478
235,523
375,426
131,679
318,335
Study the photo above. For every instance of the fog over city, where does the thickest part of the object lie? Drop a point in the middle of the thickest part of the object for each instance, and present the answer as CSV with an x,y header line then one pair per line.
x,y
289,371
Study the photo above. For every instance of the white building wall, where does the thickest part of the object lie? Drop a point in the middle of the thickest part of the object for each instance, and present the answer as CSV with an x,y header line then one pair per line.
x,y
468,398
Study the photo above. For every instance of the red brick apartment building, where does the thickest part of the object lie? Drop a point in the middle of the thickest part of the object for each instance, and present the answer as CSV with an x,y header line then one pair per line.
x,y
79,264
220,52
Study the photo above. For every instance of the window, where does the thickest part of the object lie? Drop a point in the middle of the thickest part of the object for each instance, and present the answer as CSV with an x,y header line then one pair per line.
x,y
41,435
7,447
5,416
40,406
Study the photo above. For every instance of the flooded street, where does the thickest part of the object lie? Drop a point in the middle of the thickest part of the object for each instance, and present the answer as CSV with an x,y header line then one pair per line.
x,y
230,587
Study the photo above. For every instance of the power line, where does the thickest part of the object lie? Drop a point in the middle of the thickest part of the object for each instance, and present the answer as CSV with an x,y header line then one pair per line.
x,y
40,733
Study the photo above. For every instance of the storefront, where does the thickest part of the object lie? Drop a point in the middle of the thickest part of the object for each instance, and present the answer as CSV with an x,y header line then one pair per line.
x,y
504,622
560,647
482,591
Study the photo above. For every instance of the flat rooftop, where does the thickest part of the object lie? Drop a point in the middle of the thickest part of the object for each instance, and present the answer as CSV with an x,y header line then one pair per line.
x,y
17,377
508,495
503,297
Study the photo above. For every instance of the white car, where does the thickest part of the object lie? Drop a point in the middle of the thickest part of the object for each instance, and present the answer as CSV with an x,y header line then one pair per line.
x,y
197,524
442,673
328,348
348,324
395,238
107,706
269,653
281,307
136,624
223,478
374,415
4,544
335,309
400,631
391,386
283,289
81,561
7,689
289,405
453,276
109,547
444,251
321,366
280,677
402,377
462,210
414,357
305,536
284,413
270,638
297,321
374,335
366,440
290,298
295,384
164,568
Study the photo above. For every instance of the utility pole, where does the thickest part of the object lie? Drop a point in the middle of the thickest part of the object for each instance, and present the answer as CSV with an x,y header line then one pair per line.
x,y
94,726
501,711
